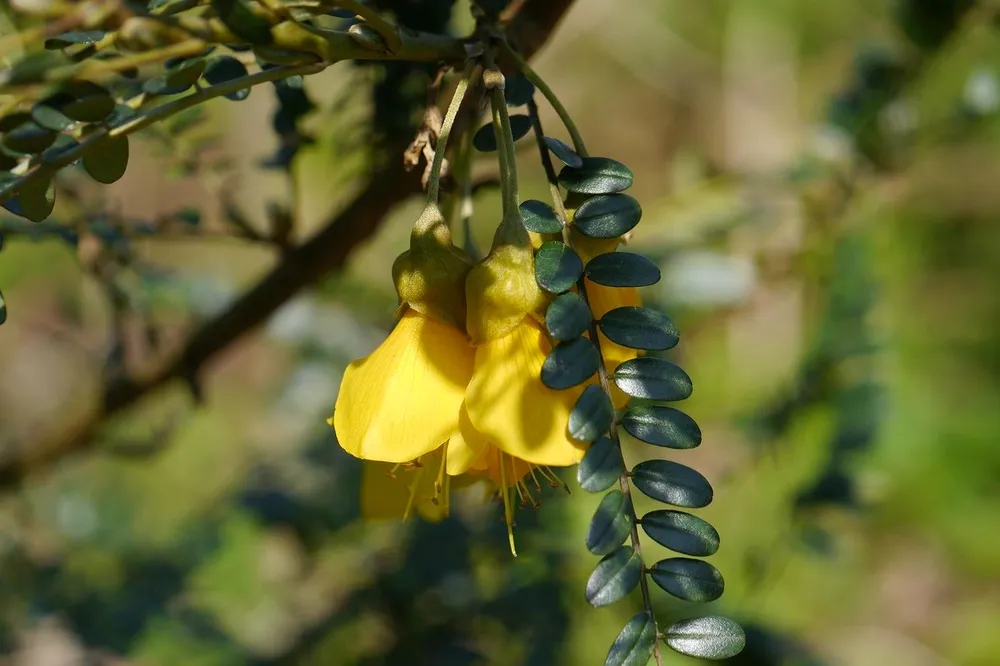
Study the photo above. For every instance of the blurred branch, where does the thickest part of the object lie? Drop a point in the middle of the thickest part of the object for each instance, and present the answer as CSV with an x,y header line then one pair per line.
x,y
301,267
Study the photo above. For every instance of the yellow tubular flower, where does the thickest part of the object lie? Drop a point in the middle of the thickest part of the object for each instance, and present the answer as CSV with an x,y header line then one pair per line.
x,y
402,401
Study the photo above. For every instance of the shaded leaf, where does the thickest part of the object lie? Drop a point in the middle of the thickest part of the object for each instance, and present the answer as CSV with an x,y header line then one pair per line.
x,y
243,22
567,317
614,577
557,267
518,90
74,37
3,309
539,217
653,379
681,532
570,364
592,415
596,175
622,269
90,109
640,328
607,216
61,145
12,121
563,153
610,525
485,139
601,466
121,115
634,645
227,68
688,579
29,138
672,483
711,637
662,426
109,163
34,202
50,117
33,67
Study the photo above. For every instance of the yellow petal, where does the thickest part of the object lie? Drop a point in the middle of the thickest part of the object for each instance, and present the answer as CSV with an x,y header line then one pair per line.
x,y
508,403
402,401
385,493
466,447
603,300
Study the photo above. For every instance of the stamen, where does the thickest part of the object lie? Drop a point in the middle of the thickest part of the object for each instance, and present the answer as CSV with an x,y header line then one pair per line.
x,y
447,495
550,476
392,472
439,481
538,486
558,483
508,513
413,494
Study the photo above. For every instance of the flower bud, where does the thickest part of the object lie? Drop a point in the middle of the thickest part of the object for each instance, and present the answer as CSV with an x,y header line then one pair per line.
x,y
430,276
501,291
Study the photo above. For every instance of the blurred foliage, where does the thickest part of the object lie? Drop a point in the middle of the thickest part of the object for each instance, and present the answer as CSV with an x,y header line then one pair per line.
x,y
856,480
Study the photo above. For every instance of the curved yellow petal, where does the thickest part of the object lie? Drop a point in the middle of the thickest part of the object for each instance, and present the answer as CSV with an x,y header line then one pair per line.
x,y
466,447
603,300
507,402
402,401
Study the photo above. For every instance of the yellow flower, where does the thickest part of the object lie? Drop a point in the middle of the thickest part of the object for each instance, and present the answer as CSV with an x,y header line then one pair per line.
x,y
402,401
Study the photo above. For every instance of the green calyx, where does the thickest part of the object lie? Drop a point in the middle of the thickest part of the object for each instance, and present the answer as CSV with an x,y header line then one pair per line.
x,y
430,277
501,291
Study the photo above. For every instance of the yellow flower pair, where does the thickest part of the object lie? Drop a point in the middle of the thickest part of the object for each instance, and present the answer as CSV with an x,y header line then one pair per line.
x,y
436,402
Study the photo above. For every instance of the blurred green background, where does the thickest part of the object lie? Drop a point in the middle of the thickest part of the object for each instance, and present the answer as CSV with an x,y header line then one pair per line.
x,y
818,182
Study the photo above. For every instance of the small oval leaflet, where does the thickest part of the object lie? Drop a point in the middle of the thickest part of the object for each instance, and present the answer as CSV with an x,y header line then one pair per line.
x,y
640,328
662,426
90,109
227,68
564,153
614,577
622,269
13,120
557,267
28,138
108,164
634,645
688,579
567,317
601,466
681,532
607,215
243,22
485,139
570,364
711,637
49,116
596,175
653,379
592,415
672,483
75,37
610,525
3,309
518,90
35,200
539,217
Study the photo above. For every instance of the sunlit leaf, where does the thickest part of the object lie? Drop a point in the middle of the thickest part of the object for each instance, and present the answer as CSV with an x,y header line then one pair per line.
x,y
614,577
567,317
688,579
610,525
539,217
607,216
564,153
597,175
592,415
640,328
681,532
711,637
74,38
672,483
557,267
634,645
653,379
662,426
601,466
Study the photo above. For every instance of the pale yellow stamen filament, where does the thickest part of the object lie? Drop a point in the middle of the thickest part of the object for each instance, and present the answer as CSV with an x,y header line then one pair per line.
x,y
414,485
538,486
507,511
439,482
